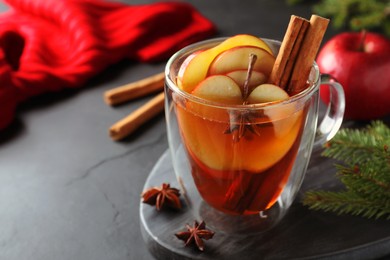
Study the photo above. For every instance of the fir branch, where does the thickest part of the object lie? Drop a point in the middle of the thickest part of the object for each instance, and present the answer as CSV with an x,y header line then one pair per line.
x,y
356,15
366,183
365,173
356,146
346,202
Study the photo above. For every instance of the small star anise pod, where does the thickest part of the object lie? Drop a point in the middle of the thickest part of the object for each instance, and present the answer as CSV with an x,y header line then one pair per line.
x,y
162,196
195,235
245,121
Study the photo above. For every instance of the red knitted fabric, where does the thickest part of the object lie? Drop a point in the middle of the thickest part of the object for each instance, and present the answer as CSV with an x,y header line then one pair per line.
x,y
48,45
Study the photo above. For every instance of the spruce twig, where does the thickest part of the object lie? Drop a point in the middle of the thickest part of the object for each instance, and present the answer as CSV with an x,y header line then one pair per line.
x,y
356,15
365,172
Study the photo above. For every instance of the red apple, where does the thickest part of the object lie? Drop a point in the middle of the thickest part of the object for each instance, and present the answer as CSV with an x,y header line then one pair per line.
x,y
361,63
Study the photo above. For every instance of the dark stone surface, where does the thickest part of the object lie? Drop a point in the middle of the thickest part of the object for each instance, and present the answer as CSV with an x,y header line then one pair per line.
x,y
67,191
301,234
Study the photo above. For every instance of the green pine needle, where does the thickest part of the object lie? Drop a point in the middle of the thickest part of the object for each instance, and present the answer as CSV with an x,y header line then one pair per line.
x,y
365,173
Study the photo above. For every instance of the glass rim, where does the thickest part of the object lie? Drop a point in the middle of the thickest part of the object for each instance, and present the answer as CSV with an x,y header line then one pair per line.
x,y
169,82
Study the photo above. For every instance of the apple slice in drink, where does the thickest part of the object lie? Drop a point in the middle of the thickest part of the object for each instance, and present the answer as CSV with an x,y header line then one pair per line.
x,y
267,93
196,69
197,117
237,59
239,76
219,88
284,118
183,68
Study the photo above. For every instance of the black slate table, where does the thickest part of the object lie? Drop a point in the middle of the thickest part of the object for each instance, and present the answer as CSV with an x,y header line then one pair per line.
x,y
67,191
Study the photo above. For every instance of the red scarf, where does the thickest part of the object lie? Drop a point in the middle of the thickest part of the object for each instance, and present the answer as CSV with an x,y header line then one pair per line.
x,y
48,45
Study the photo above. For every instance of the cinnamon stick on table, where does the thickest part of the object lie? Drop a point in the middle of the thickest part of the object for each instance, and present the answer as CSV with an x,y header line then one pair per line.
x,y
130,123
134,90
291,71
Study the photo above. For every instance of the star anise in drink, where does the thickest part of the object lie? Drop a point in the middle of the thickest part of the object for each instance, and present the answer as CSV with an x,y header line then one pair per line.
x,y
195,235
243,120
243,124
162,196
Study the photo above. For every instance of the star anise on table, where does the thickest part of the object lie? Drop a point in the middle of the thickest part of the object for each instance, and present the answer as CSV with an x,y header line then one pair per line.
x,y
195,235
162,196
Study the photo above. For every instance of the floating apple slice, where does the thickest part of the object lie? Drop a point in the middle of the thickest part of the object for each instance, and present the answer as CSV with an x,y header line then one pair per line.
x,y
196,69
266,93
183,68
239,76
219,88
237,59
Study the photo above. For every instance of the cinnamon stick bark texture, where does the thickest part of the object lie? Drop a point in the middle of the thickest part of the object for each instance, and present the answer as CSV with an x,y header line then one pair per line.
x,y
297,53
130,123
307,54
294,54
134,90
289,49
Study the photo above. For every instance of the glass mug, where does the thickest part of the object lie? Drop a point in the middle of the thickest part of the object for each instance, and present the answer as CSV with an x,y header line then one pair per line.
x,y
240,166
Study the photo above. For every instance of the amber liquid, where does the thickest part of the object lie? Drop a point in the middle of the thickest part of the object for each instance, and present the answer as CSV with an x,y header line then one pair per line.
x,y
244,176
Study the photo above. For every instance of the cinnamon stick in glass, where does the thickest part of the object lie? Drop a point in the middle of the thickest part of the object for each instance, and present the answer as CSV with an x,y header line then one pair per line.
x,y
308,52
291,70
284,63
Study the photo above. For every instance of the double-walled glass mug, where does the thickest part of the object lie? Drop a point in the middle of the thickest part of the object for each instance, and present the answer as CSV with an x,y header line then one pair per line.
x,y
240,166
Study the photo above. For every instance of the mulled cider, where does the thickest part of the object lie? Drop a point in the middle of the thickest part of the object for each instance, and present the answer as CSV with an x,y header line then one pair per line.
x,y
240,173
242,116
241,157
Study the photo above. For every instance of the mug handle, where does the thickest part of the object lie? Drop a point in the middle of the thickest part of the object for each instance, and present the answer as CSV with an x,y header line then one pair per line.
x,y
334,114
